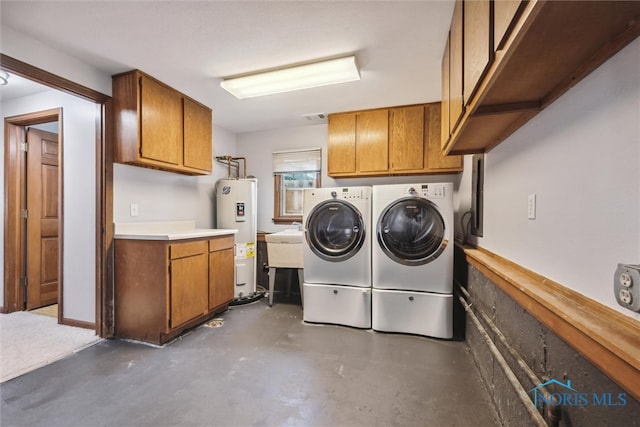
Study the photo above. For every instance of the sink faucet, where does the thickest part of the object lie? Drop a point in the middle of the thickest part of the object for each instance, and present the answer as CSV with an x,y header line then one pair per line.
x,y
297,224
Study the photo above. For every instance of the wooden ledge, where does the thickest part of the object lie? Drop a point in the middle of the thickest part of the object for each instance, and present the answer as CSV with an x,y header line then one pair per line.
x,y
607,338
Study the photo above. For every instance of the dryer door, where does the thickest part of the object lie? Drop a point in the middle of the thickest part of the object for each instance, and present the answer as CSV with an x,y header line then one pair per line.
x,y
335,230
411,231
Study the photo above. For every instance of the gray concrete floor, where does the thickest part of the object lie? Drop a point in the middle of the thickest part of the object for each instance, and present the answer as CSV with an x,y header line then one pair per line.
x,y
262,367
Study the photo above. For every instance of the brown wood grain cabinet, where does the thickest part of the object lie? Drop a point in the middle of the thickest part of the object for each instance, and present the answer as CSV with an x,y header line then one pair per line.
x,y
403,140
221,276
455,77
188,281
372,141
159,127
406,138
198,149
518,58
505,13
341,157
477,45
165,287
445,126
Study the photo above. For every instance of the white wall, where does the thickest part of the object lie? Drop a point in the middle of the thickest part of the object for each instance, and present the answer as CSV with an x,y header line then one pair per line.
x,y
258,147
36,53
581,157
79,216
167,196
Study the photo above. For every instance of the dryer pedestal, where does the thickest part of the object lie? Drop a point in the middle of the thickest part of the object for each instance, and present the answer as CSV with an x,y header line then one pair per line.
x,y
339,305
419,313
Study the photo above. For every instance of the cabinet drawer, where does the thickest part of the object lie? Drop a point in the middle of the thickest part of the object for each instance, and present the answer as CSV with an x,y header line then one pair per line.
x,y
220,243
181,250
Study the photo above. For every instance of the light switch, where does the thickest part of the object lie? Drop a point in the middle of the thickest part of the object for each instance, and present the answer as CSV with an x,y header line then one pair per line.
x,y
531,207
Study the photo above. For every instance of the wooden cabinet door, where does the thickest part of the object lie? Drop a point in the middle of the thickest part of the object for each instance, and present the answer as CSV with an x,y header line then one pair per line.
x,y
189,282
341,144
221,277
477,48
436,160
455,68
406,138
161,132
445,127
505,13
372,141
197,136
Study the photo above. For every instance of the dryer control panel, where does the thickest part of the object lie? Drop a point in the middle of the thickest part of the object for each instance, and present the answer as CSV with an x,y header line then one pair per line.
x,y
428,190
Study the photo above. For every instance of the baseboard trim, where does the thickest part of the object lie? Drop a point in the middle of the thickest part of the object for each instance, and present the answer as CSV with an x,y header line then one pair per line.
x,y
78,323
605,337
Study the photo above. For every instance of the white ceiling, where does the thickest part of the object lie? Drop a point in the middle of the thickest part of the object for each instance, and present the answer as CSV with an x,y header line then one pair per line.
x,y
192,45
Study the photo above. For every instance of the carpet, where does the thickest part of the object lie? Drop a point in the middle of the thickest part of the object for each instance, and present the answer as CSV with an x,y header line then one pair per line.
x,y
29,341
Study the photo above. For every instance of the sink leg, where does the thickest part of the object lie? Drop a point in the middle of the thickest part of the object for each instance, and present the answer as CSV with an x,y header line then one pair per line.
x,y
272,282
301,282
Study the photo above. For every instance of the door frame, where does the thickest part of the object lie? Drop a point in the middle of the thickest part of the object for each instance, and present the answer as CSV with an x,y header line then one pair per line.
x,y
15,186
104,191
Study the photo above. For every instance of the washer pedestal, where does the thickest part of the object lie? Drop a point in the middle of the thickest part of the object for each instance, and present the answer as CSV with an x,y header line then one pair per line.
x,y
419,313
340,305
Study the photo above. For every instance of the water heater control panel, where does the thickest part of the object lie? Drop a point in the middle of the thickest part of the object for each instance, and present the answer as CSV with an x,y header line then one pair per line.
x,y
240,211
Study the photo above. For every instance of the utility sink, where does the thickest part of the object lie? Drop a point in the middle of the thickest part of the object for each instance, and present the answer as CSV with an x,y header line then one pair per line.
x,y
284,249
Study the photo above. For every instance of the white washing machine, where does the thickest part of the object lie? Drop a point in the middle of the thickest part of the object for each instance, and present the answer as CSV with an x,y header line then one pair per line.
x,y
412,259
337,256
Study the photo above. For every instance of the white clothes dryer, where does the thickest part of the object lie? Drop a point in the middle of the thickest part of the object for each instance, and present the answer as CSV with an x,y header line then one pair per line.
x,y
337,256
412,259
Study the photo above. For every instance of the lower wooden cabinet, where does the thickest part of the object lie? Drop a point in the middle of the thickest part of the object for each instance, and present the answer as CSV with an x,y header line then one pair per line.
x,y
164,287
221,271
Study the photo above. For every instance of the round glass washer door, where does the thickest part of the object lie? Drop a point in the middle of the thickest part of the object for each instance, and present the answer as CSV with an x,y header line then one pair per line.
x,y
335,230
411,231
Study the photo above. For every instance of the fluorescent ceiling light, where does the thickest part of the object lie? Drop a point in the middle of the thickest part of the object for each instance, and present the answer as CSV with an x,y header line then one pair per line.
x,y
294,78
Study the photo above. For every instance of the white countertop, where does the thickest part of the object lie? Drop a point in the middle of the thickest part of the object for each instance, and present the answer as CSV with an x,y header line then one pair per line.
x,y
168,230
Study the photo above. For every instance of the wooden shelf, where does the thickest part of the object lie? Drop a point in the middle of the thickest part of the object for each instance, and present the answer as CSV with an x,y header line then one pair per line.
x,y
553,46
607,338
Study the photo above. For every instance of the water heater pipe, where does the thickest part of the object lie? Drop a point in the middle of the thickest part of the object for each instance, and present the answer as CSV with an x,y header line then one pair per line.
x,y
233,161
244,161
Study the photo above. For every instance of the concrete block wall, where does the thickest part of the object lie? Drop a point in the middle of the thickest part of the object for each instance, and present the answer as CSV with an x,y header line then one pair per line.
x,y
546,354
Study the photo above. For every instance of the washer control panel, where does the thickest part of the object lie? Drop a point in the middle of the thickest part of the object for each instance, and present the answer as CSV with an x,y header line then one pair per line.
x,y
353,194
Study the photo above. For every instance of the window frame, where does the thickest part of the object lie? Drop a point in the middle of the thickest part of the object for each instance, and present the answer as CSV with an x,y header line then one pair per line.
x,y
278,218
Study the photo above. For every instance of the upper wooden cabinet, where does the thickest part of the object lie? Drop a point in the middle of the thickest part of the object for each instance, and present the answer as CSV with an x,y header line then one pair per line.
x,y
341,143
156,126
478,49
372,141
504,14
406,138
519,57
390,141
198,153
455,102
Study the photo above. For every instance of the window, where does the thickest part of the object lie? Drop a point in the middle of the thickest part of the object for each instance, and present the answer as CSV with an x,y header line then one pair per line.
x,y
293,171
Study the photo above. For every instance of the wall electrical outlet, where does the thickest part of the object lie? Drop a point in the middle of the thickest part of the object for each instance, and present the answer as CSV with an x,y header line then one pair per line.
x,y
626,286
133,209
531,206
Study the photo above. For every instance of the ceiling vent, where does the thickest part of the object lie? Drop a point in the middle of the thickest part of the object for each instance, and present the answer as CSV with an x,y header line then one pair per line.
x,y
315,117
